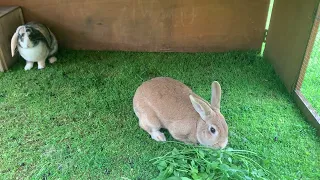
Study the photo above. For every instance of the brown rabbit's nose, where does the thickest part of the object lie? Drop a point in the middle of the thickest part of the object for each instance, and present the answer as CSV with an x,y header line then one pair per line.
x,y
223,144
218,146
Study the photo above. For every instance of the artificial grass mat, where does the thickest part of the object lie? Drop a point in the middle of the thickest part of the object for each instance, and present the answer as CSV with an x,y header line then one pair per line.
x,y
74,119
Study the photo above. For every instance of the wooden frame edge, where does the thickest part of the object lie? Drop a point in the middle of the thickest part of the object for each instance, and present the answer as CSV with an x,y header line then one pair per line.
x,y
308,111
305,62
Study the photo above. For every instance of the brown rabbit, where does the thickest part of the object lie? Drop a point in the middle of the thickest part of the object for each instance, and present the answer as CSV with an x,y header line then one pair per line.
x,y
163,102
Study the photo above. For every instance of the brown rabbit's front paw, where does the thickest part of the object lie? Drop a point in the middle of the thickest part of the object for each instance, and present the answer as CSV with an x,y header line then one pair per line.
x,y
158,136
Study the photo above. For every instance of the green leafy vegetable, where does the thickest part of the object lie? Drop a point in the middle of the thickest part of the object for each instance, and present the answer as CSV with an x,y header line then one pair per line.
x,y
202,163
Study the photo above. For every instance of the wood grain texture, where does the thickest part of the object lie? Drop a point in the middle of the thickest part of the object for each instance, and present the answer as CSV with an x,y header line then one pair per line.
x,y
151,25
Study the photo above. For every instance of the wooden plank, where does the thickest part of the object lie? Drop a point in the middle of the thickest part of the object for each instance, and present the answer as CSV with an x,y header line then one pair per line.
x,y
151,25
309,112
5,10
10,19
288,37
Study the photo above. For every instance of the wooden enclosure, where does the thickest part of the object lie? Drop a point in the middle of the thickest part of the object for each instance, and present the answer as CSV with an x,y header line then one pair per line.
x,y
184,26
289,42
151,25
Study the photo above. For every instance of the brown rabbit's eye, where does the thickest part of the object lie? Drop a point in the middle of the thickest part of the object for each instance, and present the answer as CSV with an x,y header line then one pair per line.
x,y
213,130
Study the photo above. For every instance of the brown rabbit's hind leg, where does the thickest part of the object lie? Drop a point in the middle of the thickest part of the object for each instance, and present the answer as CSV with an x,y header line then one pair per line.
x,y
158,136
152,125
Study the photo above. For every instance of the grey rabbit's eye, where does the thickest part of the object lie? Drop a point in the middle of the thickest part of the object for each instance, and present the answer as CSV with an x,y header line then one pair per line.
x,y
21,37
28,31
213,130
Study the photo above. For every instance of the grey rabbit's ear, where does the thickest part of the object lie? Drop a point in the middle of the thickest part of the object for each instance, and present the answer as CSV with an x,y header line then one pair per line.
x,y
14,40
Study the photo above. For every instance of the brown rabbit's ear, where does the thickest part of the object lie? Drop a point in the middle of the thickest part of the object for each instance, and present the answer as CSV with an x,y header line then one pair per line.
x,y
215,95
200,106
14,40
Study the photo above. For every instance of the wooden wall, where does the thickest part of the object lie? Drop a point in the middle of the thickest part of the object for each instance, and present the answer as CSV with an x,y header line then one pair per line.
x,y
288,37
151,25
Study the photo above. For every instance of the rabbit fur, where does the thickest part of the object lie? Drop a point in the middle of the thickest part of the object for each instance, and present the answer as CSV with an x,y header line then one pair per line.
x,y
35,43
163,102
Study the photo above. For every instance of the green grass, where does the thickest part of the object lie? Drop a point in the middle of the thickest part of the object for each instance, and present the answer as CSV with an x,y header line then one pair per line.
x,y
74,120
311,83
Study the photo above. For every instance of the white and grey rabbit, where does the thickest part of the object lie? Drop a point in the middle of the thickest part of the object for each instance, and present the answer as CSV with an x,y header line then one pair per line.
x,y
35,43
